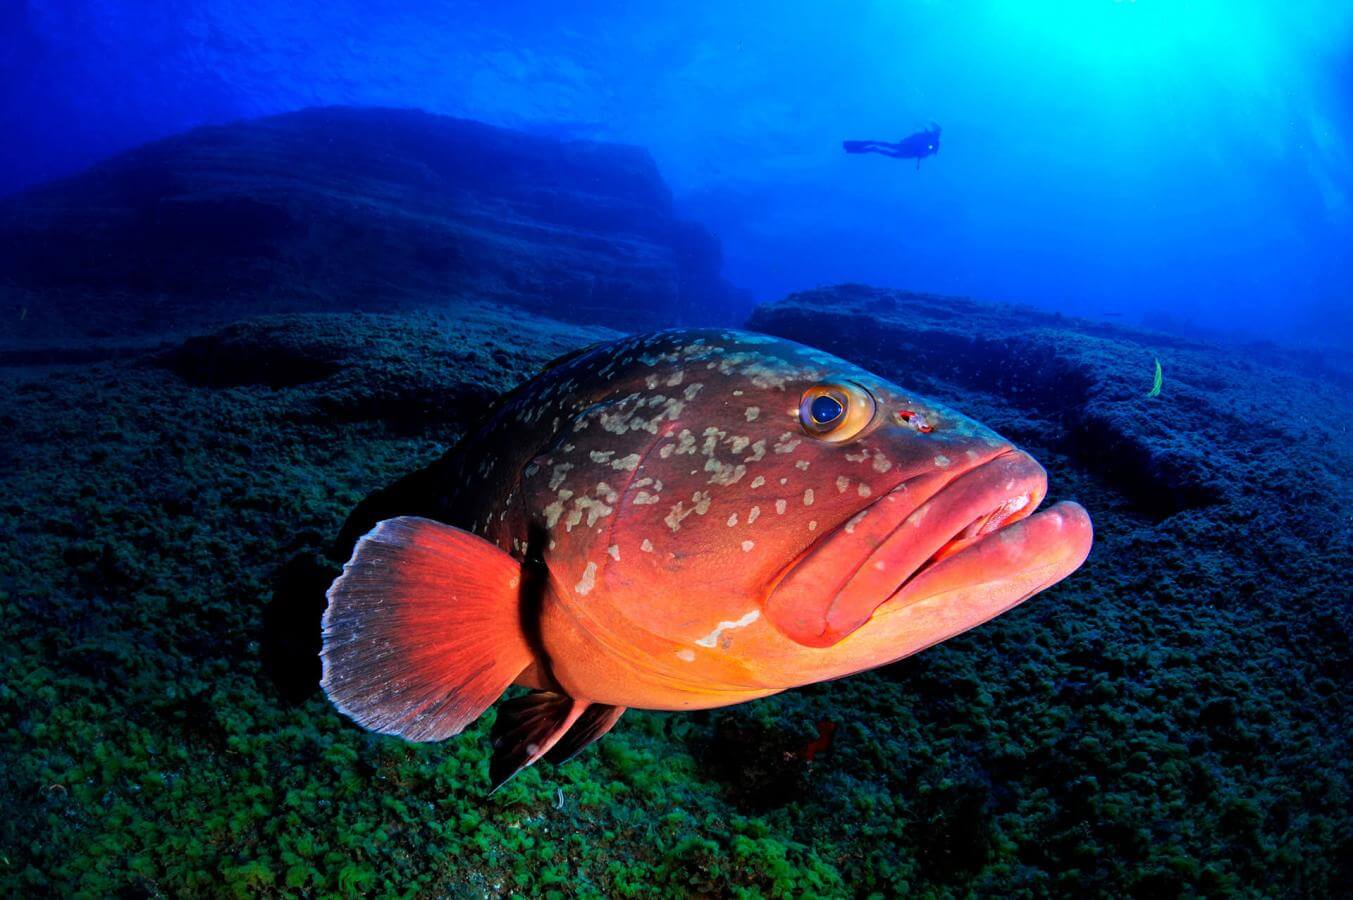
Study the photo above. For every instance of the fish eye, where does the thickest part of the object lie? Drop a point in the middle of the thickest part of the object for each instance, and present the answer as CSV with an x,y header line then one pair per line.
x,y
836,411
826,409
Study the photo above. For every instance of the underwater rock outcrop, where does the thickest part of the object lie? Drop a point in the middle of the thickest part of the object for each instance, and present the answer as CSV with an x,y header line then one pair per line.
x,y
342,208
410,372
1079,387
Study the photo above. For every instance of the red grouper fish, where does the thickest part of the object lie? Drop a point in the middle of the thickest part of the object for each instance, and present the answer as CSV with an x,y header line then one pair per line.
x,y
673,521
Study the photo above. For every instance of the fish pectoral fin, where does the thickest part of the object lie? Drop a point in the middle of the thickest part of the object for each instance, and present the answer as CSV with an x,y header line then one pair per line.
x,y
423,629
527,728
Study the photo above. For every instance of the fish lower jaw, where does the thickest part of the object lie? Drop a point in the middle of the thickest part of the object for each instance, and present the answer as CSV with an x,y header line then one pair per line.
x,y
972,508
1000,568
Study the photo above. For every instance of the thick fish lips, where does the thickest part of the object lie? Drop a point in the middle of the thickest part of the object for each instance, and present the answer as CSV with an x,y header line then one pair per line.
x,y
970,551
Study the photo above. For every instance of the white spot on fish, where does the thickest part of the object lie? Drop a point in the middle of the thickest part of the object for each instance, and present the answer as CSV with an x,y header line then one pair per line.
x,y
712,639
686,655
614,550
732,520
589,580
627,463
808,497
752,413
752,516
863,490
758,481
747,546
646,546
558,474
552,513
942,461
780,507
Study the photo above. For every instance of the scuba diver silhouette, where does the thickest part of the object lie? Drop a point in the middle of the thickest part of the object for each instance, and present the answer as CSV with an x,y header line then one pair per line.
x,y
914,146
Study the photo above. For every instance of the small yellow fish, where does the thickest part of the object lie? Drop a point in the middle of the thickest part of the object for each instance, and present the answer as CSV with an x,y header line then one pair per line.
x,y
1155,385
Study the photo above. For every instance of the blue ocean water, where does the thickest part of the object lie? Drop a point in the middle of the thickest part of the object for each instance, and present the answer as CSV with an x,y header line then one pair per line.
x,y
1186,163
276,273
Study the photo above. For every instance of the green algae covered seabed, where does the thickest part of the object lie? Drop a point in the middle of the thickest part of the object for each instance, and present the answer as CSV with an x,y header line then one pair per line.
x,y
1171,720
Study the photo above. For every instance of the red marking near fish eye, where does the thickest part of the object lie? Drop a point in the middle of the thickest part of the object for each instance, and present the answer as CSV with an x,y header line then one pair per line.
x,y
915,420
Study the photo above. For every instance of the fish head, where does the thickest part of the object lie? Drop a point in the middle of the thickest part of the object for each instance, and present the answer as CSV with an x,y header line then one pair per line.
x,y
751,480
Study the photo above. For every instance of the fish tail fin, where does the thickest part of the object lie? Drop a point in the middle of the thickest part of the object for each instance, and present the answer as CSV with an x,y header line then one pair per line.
x,y
423,630
543,724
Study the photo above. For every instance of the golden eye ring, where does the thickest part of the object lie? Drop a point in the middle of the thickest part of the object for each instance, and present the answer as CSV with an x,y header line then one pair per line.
x,y
836,411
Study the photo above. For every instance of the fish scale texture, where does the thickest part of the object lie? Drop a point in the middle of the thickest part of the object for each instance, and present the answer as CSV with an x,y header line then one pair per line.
x,y
1170,720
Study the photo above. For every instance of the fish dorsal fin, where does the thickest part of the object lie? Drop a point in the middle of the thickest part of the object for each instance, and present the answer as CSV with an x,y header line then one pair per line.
x,y
423,629
570,356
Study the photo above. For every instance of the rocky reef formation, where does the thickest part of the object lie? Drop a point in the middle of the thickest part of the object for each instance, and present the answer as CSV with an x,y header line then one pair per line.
x,y
1169,721
1080,386
1163,691
351,209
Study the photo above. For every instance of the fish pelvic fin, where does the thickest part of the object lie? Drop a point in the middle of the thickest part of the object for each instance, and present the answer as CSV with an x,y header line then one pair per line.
x,y
591,727
544,725
423,630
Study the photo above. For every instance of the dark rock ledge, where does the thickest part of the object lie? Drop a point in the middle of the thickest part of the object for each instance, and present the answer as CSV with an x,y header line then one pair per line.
x,y
337,209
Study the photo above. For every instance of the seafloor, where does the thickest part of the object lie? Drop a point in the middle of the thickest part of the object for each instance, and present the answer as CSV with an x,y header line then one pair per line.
x,y
1172,720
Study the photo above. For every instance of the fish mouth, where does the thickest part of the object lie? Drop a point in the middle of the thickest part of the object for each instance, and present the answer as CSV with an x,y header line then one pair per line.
x,y
968,552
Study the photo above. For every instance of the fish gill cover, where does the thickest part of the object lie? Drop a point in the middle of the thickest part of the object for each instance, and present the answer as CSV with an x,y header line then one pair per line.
x,y
215,346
